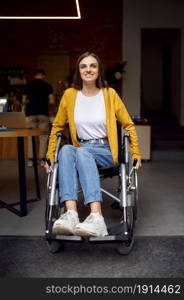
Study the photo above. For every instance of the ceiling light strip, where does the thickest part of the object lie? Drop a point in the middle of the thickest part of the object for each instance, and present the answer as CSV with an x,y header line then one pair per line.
x,y
44,17
78,9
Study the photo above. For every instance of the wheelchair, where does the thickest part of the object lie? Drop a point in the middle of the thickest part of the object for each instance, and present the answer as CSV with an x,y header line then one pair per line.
x,y
125,199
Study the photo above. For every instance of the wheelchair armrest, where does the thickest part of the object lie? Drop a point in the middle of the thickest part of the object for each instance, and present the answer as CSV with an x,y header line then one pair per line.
x,y
61,135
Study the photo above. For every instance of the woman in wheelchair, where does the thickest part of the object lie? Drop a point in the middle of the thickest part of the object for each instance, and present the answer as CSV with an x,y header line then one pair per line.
x,y
91,110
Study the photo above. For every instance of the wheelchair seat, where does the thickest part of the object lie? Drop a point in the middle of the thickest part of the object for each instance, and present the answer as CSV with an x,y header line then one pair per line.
x,y
109,171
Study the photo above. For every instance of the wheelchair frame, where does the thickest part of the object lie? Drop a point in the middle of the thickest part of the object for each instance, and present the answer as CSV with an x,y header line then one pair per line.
x,y
122,233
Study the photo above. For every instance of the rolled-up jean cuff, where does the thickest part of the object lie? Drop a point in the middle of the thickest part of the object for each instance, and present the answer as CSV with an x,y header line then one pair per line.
x,y
94,196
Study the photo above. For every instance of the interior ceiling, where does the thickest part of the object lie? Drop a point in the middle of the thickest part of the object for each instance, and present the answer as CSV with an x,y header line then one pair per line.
x,y
99,30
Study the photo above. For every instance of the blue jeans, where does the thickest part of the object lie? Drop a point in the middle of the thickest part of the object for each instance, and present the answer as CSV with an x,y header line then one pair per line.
x,y
82,162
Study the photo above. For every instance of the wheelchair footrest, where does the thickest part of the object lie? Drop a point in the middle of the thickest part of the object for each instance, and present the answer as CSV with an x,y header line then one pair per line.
x,y
119,229
66,238
109,239
117,233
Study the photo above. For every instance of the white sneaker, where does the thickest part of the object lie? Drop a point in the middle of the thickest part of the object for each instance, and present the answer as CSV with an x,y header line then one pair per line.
x,y
93,225
66,223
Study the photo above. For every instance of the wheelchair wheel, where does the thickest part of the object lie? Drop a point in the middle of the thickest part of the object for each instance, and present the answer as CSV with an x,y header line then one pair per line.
x,y
53,245
51,214
132,192
125,247
53,208
135,194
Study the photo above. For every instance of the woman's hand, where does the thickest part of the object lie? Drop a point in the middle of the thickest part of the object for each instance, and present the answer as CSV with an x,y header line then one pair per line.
x,y
138,164
48,167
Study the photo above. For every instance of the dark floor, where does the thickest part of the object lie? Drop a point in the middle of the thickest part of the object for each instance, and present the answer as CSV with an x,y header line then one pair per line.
x,y
157,257
160,206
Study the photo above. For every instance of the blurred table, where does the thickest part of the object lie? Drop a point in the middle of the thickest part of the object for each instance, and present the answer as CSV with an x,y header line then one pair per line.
x,y
20,134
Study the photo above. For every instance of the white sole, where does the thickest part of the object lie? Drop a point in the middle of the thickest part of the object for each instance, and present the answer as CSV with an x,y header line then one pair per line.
x,y
62,230
82,232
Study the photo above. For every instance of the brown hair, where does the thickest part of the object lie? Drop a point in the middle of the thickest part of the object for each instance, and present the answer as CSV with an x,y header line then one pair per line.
x,y
77,81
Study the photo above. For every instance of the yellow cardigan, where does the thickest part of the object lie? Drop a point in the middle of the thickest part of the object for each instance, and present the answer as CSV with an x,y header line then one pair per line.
x,y
115,110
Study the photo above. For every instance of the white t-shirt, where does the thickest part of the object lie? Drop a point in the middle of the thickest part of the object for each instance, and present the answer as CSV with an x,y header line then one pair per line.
x,y
90,116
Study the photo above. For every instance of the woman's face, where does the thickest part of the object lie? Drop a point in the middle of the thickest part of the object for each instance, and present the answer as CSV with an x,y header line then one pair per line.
x,y
88,68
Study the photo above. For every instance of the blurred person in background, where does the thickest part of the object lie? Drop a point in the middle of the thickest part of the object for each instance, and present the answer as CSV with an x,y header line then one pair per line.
x,y
37,97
